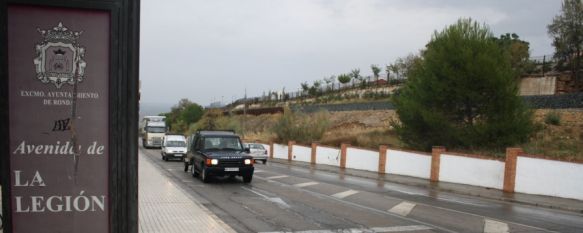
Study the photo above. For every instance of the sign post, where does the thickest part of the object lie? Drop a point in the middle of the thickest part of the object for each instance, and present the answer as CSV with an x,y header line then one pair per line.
x,y
69,98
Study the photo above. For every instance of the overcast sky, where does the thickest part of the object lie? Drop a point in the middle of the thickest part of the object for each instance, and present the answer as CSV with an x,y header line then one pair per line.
x,y
211,50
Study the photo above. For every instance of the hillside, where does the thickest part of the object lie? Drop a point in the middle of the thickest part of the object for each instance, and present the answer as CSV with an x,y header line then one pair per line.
x,y
369,129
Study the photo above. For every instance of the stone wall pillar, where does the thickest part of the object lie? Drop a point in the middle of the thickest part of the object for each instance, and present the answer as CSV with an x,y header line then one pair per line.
x,y
510,169
271,150
436,152
290,150
343,149
382,158
313,155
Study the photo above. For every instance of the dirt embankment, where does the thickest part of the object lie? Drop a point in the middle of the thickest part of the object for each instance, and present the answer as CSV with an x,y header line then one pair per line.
x,y
564,140
372,128
366,129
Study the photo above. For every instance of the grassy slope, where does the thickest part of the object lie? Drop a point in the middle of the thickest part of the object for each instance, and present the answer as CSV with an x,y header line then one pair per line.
x,y
369,129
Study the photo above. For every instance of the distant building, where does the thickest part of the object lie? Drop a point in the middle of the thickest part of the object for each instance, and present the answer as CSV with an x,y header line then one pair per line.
x,y
217,104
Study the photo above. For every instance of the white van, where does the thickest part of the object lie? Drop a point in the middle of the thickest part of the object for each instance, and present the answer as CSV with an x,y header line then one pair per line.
x,y
173,147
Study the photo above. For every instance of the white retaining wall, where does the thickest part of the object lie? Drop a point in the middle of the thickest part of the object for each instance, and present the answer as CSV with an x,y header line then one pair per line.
x,y
279,151
328,156
472,171
408,164
362,159
548,177
533,175
302,153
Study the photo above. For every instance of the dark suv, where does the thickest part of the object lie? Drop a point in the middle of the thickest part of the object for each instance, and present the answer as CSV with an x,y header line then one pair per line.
x,y
218,153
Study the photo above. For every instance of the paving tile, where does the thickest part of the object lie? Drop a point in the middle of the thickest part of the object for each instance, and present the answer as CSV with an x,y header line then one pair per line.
x,y
164,207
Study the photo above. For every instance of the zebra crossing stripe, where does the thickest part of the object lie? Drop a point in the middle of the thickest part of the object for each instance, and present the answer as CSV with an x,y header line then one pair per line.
x,y
403,208
344,194
301,185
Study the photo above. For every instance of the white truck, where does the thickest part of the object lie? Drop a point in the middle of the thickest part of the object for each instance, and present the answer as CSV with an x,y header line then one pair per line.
x,y
148,119
173,147
153,133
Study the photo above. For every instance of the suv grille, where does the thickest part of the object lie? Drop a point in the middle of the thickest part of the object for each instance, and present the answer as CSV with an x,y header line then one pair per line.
x,y
230,162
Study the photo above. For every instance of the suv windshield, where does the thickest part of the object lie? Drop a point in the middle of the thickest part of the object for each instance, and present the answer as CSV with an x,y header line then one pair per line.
x,y
222,143
151,129
175,144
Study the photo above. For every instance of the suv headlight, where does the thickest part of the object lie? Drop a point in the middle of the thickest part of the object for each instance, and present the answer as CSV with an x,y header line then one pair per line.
x,y
210,162
247,161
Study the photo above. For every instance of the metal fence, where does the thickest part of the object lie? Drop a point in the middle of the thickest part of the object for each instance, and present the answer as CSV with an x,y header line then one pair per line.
x,y
364,83
571,100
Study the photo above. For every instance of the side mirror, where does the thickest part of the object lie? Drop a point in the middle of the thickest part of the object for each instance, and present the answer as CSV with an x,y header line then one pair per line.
x,y
247,150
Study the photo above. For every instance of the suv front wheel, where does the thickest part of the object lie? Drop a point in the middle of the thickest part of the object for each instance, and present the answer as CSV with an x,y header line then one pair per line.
x,y
247,178
194,173
204,176
186,164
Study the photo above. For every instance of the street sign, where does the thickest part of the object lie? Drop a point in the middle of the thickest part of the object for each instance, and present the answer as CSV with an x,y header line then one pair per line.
x,y
69,161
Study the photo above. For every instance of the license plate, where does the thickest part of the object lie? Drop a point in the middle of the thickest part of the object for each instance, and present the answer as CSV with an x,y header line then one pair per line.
x,y
178,155
231,169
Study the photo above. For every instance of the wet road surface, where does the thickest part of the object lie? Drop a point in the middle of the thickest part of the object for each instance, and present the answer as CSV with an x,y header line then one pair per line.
x,y
284,198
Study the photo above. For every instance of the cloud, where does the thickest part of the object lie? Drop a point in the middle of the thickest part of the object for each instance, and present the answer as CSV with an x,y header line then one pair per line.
x,y
205,50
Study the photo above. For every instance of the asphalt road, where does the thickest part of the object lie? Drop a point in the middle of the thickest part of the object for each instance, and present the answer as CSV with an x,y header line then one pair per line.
x,y
283,198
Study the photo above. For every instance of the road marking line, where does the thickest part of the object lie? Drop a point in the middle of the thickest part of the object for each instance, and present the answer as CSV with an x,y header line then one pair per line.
x,y
401,228
258,171
460,202
258,193
403,208
481,216
187,181
275,200
366,207
491,226
344,194
301,185
374,229
406,218
276,177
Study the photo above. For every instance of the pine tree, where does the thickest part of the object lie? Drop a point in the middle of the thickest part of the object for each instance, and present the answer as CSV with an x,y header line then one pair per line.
x,y
567,33
462,93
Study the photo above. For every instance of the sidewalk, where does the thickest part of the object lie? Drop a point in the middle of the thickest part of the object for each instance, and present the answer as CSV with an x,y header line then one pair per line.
x,y
528,199
164,207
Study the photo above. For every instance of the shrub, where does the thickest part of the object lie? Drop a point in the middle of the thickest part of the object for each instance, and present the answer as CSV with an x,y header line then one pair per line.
x,y
207,122
301,127
553,118
369,95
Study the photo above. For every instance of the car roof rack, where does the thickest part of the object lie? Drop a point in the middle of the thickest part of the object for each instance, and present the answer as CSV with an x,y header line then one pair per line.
x,y
216,132
221,130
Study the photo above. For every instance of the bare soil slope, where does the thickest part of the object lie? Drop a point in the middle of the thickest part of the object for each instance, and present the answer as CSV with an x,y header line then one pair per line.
x,y
369,129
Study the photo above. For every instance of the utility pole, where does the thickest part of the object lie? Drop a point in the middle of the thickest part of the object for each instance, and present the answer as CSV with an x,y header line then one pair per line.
x,y
544,61
244,113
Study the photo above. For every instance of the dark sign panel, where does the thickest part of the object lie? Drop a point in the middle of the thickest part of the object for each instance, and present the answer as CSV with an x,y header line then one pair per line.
x,y
58,92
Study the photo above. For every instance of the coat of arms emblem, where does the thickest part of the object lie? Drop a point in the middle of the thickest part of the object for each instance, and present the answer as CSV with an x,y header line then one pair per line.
x,y
59,57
